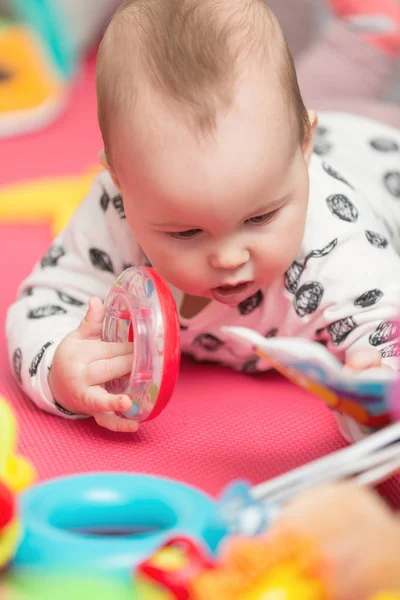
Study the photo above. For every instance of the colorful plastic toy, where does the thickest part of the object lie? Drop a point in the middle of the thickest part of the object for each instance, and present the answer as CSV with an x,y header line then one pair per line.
x,y
16,474
394,398
140,308
171,570
362,396
250,569
106,523
15,471
23,585
286,566
42,44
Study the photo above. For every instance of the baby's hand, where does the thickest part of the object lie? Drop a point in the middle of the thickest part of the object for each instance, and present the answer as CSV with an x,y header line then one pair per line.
x,y
366,359
83,363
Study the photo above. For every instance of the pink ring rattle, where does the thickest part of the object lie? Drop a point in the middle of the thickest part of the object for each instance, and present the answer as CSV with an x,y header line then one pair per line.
x,y
140,308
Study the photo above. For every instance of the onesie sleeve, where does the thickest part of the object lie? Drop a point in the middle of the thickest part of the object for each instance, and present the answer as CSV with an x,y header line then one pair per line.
x,y
345,288
82,262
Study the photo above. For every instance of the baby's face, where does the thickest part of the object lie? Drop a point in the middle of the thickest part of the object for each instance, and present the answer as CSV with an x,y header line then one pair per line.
x,y
219,217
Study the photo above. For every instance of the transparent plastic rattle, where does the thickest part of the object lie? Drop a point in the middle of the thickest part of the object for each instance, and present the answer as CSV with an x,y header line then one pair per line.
x,y
140,308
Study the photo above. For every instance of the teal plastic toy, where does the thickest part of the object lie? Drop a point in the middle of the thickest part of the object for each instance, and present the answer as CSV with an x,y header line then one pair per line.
x,y
46,18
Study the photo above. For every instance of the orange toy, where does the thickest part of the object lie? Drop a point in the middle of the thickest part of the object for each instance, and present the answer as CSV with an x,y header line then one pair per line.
x,y
31,91
337,542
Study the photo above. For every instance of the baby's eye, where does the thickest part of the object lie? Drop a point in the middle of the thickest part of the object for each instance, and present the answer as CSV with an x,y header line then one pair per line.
x,y
185,235
260,219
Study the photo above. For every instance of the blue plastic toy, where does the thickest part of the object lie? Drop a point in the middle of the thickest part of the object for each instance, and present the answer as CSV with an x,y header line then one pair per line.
x,y
108,522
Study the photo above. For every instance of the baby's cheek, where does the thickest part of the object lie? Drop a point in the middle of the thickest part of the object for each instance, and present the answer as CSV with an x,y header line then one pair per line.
x,y
277,252
179,267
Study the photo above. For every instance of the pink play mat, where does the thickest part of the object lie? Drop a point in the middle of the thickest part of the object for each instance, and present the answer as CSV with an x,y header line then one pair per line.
x,y
219,426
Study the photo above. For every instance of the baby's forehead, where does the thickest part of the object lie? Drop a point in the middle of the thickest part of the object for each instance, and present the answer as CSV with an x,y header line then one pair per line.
x,y
191,51
255,129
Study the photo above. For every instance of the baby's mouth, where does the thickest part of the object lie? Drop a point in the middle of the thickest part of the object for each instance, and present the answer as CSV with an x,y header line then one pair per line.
x,y
228,293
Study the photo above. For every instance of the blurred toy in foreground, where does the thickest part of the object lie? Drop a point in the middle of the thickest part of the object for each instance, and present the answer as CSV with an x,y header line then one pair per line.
x,y
41,48
16,474
330,543
395,400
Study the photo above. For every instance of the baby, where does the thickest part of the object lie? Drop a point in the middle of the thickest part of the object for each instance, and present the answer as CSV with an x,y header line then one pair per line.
x,y
210,177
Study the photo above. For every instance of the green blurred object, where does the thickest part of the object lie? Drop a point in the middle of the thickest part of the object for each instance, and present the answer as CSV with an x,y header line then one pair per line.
x,y
23,586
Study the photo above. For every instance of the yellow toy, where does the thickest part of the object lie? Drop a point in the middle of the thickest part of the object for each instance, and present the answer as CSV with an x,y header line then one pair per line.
x,y
34,202
286,567
335,542
31,91
16,473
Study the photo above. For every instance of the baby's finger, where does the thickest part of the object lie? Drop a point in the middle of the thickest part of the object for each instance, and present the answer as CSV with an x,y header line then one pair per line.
x,y
113,349
101,371
112,422
91,325
97,399
365,359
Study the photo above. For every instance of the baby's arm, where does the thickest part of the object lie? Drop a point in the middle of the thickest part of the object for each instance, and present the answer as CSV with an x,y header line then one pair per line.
x,y
81,263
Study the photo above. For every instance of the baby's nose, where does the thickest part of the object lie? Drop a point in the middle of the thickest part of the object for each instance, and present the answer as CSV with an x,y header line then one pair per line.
x,y
230,258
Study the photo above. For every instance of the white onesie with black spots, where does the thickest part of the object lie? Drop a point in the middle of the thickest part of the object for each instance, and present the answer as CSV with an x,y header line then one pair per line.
x,y
343,290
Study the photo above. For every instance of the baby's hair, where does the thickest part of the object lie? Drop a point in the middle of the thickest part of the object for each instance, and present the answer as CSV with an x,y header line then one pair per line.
x,y
192,51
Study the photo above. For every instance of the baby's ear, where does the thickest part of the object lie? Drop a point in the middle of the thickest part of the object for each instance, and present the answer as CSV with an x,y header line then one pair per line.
x,y
106,165
308,144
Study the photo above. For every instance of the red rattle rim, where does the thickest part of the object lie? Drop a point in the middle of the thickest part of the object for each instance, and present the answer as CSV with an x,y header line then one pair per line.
x,y
172,343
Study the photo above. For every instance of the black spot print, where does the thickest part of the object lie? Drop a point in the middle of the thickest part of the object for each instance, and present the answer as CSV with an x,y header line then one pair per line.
x,y
376,240
104,201
251,366
52,257
333,173
27,292
38,359
292,276
341,329
49,310
387,331
308,298
392,183
392,351
368,298
295,271
69,299
183,327
251,304
207,341
384,145
118,204
63,410
101,260
271,333
322,146
321,253
17,364
341,207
